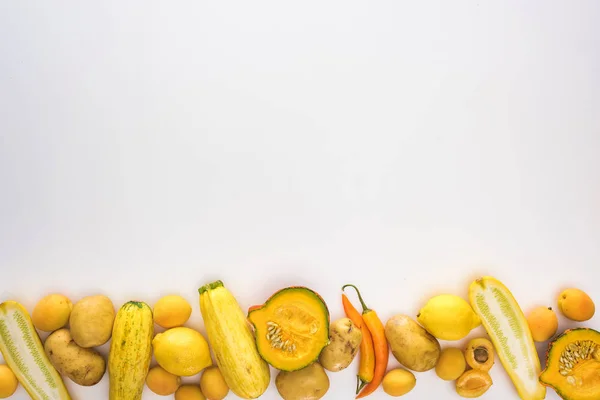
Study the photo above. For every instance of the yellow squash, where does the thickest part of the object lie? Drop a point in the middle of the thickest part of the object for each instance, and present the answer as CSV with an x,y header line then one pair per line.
x,y
232,341
130,351
573,365
507,327
23,352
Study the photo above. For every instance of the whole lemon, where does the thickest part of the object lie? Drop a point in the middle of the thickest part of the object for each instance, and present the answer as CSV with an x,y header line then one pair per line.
x,y
162,382
181,351
213,385
171,311
448,317
189,392
398,382
52,312
8,382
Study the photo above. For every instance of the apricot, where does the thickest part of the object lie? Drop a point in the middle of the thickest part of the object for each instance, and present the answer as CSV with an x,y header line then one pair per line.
x,y
451,364
480,354
576,305
162,382
543,323
398,382
473,383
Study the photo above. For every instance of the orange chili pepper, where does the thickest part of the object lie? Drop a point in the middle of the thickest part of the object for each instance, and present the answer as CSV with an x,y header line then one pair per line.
x,y
367,353
380,345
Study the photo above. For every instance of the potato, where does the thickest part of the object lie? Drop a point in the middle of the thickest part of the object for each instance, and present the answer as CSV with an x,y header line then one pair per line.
x,y
411,344
85,367
310,383
345,341
92,320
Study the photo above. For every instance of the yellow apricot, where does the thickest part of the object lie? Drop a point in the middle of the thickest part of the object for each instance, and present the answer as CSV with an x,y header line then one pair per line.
x,y
171,311
451,364
213,384
576,305
52,312
8,382
398,382
543,323
162,382
473,383
480,354
189,392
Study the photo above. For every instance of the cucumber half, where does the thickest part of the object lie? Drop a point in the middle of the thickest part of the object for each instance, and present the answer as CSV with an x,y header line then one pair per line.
x,y
507,327
22,350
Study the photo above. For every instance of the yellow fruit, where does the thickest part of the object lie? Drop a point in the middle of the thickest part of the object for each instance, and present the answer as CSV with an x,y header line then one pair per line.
x,y
398,382
543,323
451,364
8,382
576,305
473,383
171,311
181,351
51,312
480,354
162,382
448,317
213,385
189,392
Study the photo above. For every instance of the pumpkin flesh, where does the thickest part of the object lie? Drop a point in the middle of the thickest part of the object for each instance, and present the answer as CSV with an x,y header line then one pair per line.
x,y
292,328
573,365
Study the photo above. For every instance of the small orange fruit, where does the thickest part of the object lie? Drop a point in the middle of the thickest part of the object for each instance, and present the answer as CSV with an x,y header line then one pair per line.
x,y
473,383
576,305
8,382
52,312
543,323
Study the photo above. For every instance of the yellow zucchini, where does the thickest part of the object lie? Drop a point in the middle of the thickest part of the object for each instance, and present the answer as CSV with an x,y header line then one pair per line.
x,y
232,341
507,327
130,351
23,352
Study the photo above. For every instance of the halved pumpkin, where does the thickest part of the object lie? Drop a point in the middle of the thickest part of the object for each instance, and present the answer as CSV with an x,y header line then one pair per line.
x,y
573,365
291,328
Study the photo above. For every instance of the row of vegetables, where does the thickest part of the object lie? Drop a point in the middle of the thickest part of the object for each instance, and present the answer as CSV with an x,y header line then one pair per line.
x,y
292,332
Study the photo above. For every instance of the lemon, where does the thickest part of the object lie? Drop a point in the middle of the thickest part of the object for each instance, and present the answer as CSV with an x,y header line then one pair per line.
x,y
8,382
171,311
448,317
181,351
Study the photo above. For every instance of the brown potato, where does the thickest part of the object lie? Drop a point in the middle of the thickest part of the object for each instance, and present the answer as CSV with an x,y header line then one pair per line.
x,y
345,341
85,367
310,383
91,321
411,344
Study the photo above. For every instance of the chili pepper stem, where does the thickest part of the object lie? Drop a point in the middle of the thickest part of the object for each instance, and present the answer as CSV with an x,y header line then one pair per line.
x,y
364,306
359,384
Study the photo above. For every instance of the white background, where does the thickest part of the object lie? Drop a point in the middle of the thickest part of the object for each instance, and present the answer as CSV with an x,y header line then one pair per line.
x,y
148,148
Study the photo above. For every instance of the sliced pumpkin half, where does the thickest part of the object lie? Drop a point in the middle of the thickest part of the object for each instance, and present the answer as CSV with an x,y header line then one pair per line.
x,y
291,328
573,365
